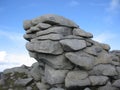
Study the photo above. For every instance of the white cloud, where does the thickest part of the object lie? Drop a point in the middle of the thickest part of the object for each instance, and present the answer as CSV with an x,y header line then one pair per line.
x,y
8,60
104,37
74,3
2,55
114,5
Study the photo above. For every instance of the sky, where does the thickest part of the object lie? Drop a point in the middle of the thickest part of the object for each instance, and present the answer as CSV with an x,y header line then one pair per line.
x,y
99,17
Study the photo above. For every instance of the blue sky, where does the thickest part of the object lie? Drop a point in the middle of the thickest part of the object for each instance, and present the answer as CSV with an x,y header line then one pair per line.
x,y
100,17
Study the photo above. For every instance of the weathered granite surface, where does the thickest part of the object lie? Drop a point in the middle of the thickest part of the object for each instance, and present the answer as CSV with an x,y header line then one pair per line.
x,y
67,59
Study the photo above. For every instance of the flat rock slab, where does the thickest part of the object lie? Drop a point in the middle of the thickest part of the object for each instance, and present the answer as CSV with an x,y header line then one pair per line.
x,y
21,69
105,46
107,70
98,80
77,78
108,87
81,59
23,82
57,89
82,33
93,50
42,86
53,76
56,30
116,83
51,36
29,36
73,44
43,26
32,30
54,19
56,62
46,46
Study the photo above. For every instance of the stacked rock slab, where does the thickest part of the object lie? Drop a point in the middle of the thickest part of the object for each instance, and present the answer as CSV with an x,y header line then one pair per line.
x,y
68,58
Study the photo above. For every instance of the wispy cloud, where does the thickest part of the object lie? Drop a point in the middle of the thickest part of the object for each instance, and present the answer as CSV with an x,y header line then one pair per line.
x,y
104,37
16,56
8,60
114,6
113,11
11,35
74,3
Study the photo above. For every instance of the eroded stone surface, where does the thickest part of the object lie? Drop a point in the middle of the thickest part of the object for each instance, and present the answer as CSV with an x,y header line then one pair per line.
x,y
67,59
53,76
77,78
82,59
73,44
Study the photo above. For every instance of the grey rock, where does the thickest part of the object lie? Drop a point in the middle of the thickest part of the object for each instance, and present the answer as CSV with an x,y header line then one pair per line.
x,y
46,46
82,33
116,52
37,65
105,46
43,25
77,78
10,89
114,59
87,89
53,76
29,88
29,36
21,69
106,58
61,85
32,54
116,83
32,30
30,47
118,70
88,44
56,30
98,80
73,37
1,75
81,59
2,82
93,50
49,47
73,44
50,37
27,24
42,86
36,72
107,87
54,20
23,82
56,62
57,89
101,69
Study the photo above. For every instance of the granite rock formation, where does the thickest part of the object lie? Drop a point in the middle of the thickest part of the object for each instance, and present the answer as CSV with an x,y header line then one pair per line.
x,y
67,59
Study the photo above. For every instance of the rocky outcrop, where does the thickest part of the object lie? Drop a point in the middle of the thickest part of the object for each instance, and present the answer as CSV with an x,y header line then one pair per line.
x,y
68,59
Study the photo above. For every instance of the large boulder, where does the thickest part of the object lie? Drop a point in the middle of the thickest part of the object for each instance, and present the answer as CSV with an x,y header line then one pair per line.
x,y
77,78
67,59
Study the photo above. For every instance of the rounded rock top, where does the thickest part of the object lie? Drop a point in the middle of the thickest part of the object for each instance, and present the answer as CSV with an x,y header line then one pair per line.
x,y
54,19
